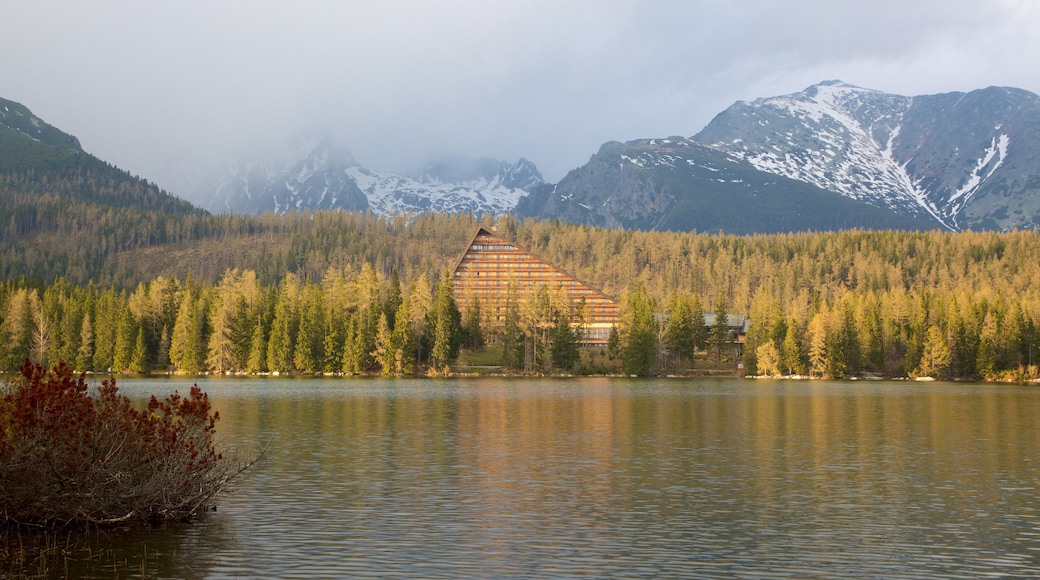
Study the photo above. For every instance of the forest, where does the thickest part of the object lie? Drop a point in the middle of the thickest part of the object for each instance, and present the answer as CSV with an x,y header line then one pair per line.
x,y
341,292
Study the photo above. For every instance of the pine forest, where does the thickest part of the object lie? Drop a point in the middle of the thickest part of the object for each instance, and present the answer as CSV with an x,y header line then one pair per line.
x,y
125,290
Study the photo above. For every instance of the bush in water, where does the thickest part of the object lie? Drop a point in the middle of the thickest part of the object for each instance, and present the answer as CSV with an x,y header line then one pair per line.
x,y
69,457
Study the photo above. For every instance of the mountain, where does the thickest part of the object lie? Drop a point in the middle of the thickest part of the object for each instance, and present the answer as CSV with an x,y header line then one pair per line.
x,y
681,185
451,186
37,159
964,160
315,173
309,172
955,160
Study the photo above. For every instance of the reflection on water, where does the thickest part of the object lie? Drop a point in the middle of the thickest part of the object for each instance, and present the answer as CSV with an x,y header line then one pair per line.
x,y
619,478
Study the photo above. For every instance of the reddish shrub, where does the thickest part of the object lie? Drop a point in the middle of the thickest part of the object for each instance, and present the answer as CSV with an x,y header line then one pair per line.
x,y
67,457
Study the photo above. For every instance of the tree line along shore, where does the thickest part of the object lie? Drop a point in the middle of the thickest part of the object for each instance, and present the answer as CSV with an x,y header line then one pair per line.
x,y
837,304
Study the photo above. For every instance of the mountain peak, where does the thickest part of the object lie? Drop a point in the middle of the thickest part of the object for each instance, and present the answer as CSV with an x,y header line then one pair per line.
x,y
19,118
948,157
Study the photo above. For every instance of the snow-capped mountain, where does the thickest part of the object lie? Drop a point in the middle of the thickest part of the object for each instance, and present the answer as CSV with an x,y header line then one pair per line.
x,y
460,185
966,160
681,185
309,172
314,173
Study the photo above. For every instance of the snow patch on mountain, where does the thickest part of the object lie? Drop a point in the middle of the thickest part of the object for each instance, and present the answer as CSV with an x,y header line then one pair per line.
x,y
992,159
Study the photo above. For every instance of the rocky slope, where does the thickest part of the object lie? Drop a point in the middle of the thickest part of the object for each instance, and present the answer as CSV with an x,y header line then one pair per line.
x,y
681,185
965,160
314,173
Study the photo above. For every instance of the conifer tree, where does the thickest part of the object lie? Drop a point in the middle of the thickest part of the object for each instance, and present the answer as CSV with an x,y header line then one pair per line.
x,y
139,357
384,353
16,329
792,359
447,325
639,351
512,335
680,334
720,329
85,353
402,340
565,349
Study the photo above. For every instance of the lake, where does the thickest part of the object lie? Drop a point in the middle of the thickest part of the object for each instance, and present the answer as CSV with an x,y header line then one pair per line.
x,y
602,477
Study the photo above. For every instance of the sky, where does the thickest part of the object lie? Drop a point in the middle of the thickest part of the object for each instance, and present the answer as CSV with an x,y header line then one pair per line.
x,y
149,86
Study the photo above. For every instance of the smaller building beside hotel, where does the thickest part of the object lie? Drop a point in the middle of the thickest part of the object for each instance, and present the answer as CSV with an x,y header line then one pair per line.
x,y
490,263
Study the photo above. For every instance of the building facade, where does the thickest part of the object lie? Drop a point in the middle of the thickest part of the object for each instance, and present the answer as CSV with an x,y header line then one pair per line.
x,y
491,264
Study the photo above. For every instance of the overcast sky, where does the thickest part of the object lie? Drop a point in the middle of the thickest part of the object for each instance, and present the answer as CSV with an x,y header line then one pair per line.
x,y
398,83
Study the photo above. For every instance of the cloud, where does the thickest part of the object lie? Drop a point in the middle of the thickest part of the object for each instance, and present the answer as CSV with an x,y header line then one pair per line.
x,y
402,82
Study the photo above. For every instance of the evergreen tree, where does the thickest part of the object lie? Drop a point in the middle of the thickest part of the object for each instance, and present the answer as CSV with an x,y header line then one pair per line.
x,y
162,357
512,335
354,355
792,359
640,349
700,330
384,352
720,329
446,324
282,340
85,353
565,349
126,335
680,334
16,329
308,355
106,320
257,362
139,357
402,340
473,336
393,298
187,345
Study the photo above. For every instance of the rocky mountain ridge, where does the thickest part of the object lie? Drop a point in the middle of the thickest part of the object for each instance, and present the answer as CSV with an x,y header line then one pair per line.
x,y
316,173
965,160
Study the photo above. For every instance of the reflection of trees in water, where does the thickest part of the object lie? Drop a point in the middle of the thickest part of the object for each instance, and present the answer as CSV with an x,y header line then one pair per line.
x,y
167,550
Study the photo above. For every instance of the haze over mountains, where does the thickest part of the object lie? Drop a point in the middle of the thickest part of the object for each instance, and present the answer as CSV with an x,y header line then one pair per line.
x,y
832,156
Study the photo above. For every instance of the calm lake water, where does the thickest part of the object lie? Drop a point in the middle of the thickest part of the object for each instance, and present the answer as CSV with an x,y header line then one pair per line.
x,y
684,478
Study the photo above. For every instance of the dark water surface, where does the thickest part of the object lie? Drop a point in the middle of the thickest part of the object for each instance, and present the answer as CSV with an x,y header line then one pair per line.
x,y
612,478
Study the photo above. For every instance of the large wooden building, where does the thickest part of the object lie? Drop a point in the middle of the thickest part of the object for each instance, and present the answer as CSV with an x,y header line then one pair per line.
x,y
490,263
